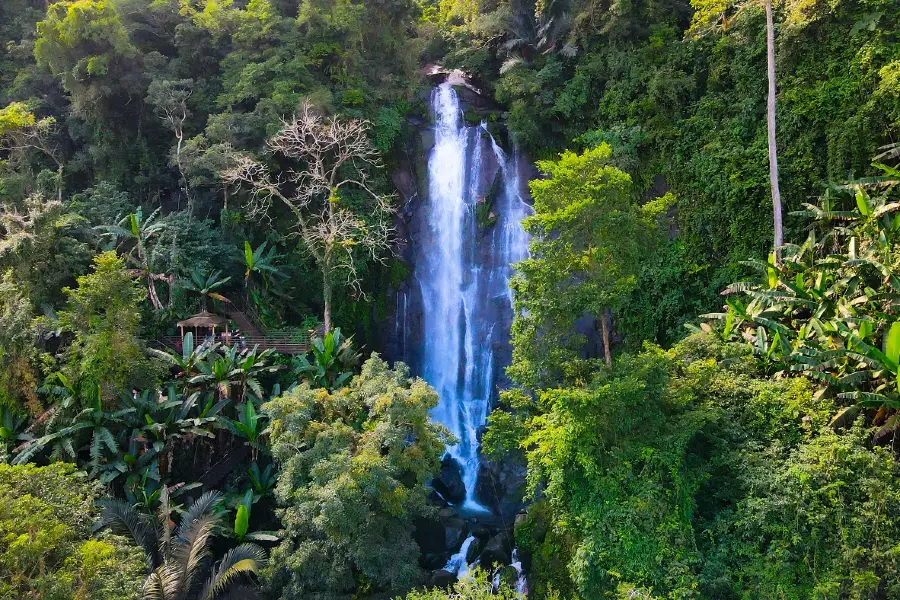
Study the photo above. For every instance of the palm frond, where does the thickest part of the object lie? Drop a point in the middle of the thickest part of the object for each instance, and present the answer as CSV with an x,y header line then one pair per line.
x,y
234,567
123,519
191,549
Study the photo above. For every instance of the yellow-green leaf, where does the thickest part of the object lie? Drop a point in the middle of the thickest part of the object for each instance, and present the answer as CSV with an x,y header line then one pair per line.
x,y
862,203
892,342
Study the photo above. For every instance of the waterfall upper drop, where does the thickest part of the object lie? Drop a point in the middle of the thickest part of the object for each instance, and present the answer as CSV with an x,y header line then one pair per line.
x,y
470,233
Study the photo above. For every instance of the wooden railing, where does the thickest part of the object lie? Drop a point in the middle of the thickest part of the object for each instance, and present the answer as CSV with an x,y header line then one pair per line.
x,y
286,343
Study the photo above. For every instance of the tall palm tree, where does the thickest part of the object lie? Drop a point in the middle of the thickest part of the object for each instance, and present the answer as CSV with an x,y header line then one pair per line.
x,y
770,128
261,263
206,286
179,557
141,232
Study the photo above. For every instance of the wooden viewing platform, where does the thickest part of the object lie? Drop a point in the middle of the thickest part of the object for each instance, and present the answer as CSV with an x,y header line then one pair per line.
x,y
281,343
251,333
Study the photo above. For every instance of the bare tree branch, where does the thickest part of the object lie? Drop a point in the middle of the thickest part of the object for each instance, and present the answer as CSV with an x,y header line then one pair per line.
x,y
330,154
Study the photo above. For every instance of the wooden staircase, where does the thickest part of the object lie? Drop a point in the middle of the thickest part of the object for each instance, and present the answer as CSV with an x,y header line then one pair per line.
x,y
244,323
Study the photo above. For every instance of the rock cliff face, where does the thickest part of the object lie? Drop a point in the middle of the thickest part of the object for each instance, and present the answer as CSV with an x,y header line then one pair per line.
x,y
458,230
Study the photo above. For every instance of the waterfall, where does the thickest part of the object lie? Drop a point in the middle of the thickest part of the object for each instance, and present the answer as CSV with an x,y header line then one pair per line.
x,y
463,270
458,564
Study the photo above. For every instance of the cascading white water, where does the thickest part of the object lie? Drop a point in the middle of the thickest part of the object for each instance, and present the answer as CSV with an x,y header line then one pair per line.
x,y
463,270
458,563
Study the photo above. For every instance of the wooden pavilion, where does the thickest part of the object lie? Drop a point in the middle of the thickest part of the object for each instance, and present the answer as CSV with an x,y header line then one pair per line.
x,y
204,325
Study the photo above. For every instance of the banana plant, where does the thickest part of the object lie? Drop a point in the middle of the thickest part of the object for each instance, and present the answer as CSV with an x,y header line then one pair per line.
x,y
249,425
261,263
240,530
145,492
233,372
262,482
831,309
334,361
133,461
12,432
139,232
190,357
66,441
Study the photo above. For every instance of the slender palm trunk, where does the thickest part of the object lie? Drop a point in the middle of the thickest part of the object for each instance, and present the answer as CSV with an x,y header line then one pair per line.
x,y
59,185
604,322
770,120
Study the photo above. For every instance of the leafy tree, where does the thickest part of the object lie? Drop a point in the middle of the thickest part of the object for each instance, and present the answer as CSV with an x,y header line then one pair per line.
x,y
103,314
354,465
178,556
725,483
21,131
102,204
589,235
18,351
43,244
85,44
170,98
46,548
821,524
476,585
335,156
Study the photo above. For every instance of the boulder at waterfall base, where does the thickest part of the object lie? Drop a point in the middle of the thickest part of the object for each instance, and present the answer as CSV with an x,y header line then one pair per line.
x,y
450,483
498,550
441,578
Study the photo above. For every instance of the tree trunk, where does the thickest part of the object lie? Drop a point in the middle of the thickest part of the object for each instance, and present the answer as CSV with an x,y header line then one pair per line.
x,y
59,184
604,321
326,294
770,120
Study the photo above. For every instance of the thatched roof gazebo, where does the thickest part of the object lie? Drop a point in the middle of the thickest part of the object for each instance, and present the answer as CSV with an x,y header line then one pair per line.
x,y
203,320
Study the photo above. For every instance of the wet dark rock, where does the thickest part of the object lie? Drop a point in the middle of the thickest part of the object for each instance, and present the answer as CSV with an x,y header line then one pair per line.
x,y
498,551
441,579
475,549
435,499
456,531
430,535
450,483
501,486
427,140
405,182
433,560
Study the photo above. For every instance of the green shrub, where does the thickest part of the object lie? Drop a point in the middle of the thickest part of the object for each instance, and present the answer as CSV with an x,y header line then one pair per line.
x,y
46,549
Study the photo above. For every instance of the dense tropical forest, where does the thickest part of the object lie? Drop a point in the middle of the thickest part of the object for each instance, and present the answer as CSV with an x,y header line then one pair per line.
x,y
214,384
